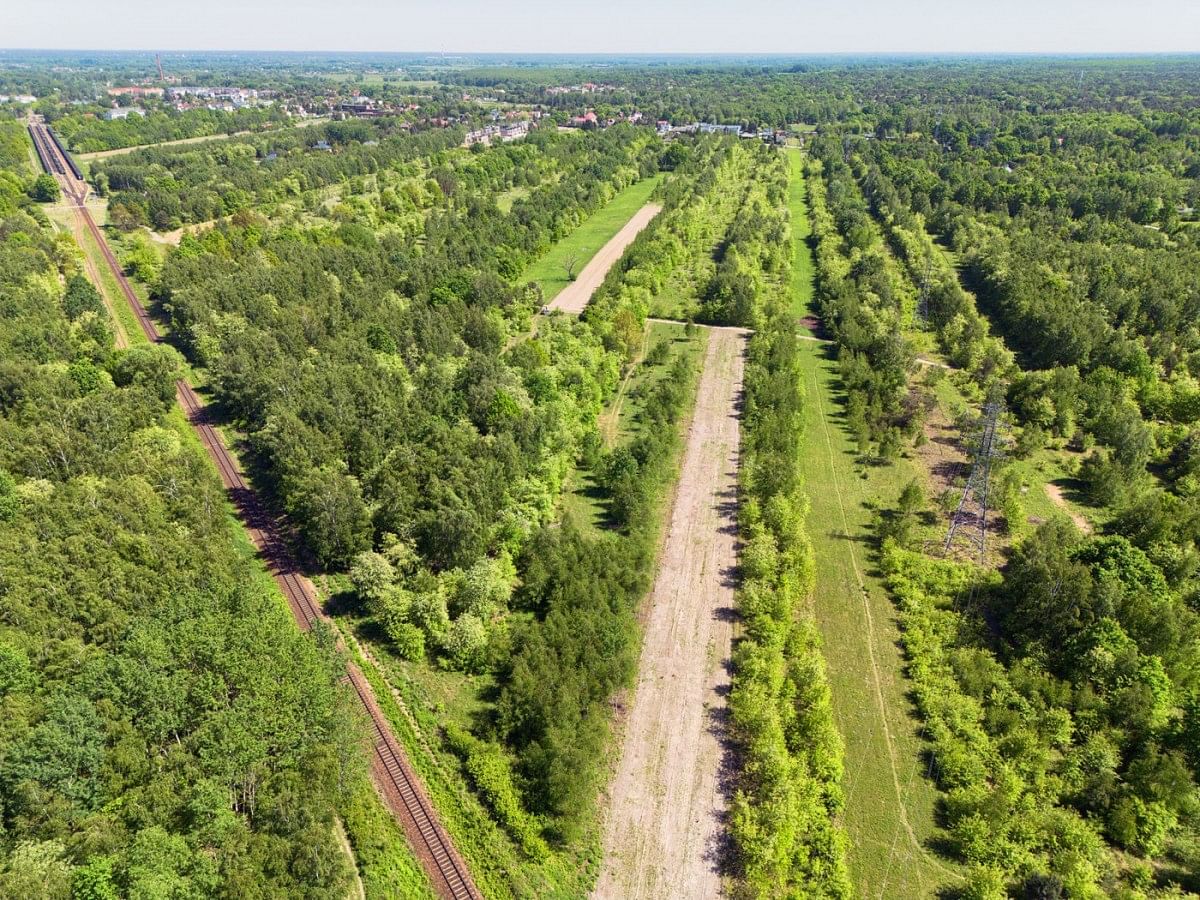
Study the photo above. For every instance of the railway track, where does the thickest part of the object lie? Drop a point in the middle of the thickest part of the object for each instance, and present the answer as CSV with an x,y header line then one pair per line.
x,y
394,777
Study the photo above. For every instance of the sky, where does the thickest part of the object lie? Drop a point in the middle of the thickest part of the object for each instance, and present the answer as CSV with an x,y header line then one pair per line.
x,y
609,26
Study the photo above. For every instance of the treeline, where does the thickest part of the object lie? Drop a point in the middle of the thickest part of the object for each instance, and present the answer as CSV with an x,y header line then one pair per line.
x,y
421,439
576,641
721,236
866,305
88,132
1059,695
784,816
962,332
165,187
673,254
1099,307
411,421
165,729
753,254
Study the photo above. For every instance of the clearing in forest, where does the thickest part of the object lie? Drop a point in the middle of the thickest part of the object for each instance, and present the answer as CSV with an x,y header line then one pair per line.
x,y
603,229
889,814
665,826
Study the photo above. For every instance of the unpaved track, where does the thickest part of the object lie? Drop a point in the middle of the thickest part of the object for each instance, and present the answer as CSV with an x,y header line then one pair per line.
x,y
1055,493
200,139
575,296
664,832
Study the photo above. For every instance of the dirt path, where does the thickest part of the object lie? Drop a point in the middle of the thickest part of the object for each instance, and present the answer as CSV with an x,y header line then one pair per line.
x,y
174,237
357,891
665,826
201,139
889,801
575,296
1055,493
873,662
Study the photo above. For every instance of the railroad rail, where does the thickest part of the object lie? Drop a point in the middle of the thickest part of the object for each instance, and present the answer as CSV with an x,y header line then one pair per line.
x,y
398,784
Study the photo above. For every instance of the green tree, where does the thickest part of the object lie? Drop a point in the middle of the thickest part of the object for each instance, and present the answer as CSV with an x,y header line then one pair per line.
x,y
328,506
81,297
45,189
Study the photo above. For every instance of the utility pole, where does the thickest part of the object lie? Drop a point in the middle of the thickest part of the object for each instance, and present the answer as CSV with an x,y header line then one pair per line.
x,y
972,508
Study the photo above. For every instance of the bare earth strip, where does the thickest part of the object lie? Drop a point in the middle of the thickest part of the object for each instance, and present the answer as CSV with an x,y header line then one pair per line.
x,y
665,825
575,296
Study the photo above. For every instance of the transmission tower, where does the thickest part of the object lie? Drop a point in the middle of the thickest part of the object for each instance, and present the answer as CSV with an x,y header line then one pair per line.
x,y
970,518
923,300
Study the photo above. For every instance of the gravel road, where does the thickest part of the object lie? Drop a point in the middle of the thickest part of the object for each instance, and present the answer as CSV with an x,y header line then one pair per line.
x,y
575,296
665,827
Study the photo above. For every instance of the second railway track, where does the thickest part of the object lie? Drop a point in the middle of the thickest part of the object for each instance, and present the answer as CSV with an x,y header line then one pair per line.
x,y
397,782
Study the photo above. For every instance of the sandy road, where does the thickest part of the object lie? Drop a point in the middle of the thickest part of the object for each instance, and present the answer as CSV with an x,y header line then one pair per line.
x,y
575,296
664,831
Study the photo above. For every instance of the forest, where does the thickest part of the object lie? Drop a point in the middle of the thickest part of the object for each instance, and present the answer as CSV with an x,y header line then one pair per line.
x,y
480,485
166,732
1050,255
85,133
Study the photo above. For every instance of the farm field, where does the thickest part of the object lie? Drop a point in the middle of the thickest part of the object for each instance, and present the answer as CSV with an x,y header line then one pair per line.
x,y
588,239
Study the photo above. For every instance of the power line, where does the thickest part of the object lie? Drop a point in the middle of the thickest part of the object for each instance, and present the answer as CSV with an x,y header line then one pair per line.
x,y
923,300
973,506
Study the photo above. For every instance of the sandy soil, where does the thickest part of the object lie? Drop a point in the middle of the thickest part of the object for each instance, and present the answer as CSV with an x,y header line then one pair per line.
x,y
575,296
1055,493
174,237
664,832
942,456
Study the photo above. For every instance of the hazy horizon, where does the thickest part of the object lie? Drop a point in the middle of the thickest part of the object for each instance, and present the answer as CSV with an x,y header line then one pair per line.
x,y
633,27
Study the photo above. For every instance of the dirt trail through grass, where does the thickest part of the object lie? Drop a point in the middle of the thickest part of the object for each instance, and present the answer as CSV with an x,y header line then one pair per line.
x,y
1055,493
664,832
889,813
200,139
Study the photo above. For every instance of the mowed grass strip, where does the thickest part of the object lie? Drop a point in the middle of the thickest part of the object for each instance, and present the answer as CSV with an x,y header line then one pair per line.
x,y
802,284
890,802
585,241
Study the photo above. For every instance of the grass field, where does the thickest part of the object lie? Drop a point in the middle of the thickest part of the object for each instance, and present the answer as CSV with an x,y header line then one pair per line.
x,y
506,199
889,813
588,238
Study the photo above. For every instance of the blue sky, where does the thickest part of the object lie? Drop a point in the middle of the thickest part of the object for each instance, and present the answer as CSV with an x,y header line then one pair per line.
x,y
597,26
